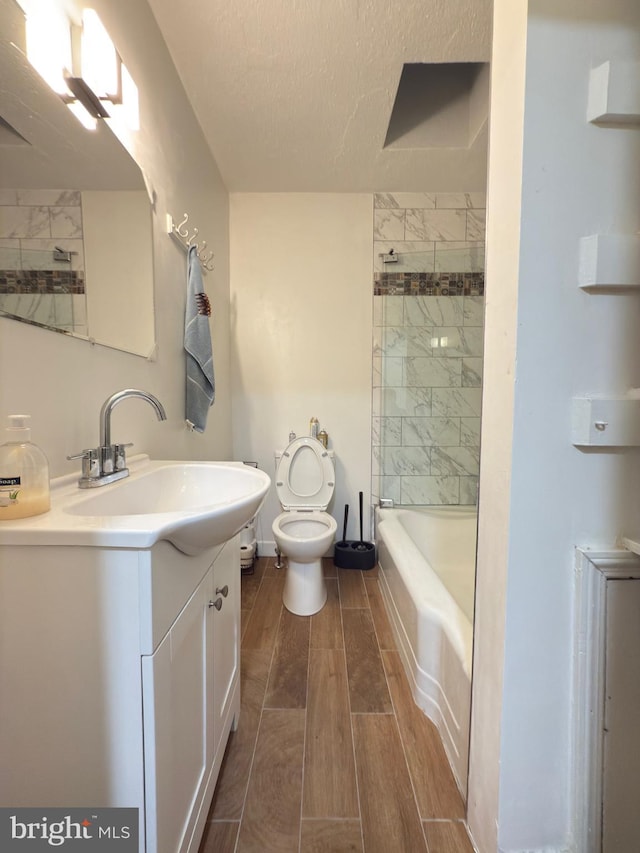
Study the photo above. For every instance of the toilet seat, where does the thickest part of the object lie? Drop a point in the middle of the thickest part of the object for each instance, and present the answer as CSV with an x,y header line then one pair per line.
x,y
305,476
304,526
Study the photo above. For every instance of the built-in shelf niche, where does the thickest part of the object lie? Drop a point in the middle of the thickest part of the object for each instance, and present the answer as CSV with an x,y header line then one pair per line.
x,y
614,93
605,422
609,262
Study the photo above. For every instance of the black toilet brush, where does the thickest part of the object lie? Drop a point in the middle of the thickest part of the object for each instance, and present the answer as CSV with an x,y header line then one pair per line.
x,y
361,545
353,554
344,525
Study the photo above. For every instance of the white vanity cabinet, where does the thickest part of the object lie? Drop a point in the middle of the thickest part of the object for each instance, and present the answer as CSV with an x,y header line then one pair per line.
x,y
119,681
189,691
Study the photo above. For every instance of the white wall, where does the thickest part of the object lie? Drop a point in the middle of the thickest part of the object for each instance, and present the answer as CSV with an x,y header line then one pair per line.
x,y
62,382
301,289
576,179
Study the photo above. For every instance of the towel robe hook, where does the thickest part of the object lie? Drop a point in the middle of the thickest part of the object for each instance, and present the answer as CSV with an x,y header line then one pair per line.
x,y
180,234
184,233
205,257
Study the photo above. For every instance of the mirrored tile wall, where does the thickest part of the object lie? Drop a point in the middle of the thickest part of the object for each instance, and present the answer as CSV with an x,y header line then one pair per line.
x,y
42,277
428,320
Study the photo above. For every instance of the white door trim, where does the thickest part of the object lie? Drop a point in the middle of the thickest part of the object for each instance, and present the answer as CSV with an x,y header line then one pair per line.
x,y
593,569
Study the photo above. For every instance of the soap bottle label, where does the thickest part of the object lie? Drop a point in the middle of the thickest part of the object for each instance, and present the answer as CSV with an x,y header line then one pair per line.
x,y
9,488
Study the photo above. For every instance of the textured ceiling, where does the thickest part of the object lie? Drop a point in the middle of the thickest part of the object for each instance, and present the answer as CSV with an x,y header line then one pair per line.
x,y
296,95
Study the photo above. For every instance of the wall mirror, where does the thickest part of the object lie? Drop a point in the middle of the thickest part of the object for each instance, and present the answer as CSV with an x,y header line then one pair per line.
x,y
76,249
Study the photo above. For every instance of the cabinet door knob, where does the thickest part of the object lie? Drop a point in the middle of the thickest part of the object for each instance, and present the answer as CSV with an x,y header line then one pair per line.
x,y
217,603
224,591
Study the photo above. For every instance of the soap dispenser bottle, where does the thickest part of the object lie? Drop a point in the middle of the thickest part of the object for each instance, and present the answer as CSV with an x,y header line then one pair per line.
x,y
24,473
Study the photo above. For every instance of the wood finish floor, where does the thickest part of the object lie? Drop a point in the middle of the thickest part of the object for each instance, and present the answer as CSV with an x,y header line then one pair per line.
x,y
331,753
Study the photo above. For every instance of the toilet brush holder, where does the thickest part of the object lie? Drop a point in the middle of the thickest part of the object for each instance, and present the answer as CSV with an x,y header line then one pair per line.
x,y
353,554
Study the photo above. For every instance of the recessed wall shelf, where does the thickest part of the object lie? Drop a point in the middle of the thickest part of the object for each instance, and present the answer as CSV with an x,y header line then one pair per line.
x,y
605,422
609,261
633,544
614,93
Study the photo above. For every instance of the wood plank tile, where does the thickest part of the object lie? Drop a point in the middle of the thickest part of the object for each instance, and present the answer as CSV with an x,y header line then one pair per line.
x,y
228,798
329,568
330,788
271,819
352,591
367,682
331,836
326,625
219,837
270,568
250,584
436,791
386,640
244,620
447,837
390,819
287,687
265,615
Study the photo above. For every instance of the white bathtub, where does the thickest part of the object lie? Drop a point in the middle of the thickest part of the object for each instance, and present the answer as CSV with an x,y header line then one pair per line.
x,y
427,562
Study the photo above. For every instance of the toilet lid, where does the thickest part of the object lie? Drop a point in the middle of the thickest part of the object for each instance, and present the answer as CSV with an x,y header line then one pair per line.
x,y
305,475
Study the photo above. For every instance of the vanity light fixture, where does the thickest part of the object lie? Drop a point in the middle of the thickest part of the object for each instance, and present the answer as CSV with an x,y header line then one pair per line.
x,y
80,63
99,82
48,43
86,118
100,62
83,93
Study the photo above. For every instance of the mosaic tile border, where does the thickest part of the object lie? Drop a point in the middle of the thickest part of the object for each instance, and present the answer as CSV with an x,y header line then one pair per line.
x,y
41,281
428,284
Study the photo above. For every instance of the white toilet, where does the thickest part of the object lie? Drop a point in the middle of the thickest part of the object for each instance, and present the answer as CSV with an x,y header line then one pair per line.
x,y
305,480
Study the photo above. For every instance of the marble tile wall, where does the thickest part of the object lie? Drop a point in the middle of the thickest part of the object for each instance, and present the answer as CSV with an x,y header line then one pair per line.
x,y
427,347
33,286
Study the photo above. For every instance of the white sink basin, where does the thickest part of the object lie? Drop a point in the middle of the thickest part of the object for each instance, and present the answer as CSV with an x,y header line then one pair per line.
x,y
193,505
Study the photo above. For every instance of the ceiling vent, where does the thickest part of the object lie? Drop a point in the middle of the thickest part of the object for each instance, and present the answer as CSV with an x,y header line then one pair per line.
x,y
439,105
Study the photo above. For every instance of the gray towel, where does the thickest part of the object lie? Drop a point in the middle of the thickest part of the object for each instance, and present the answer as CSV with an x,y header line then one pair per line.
x,y
201,387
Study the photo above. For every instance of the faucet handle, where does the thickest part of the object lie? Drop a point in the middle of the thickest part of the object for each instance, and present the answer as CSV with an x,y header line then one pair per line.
x,y
90,462
119,452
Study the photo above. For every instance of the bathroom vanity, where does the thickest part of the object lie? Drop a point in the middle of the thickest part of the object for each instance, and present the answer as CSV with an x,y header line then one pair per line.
x,y
119,645
119,681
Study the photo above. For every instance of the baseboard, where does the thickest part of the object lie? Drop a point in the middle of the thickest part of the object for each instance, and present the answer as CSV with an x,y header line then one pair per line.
x,y
564,849
266,548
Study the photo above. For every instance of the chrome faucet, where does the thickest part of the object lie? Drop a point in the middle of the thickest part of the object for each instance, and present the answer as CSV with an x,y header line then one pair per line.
x,y
107,463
